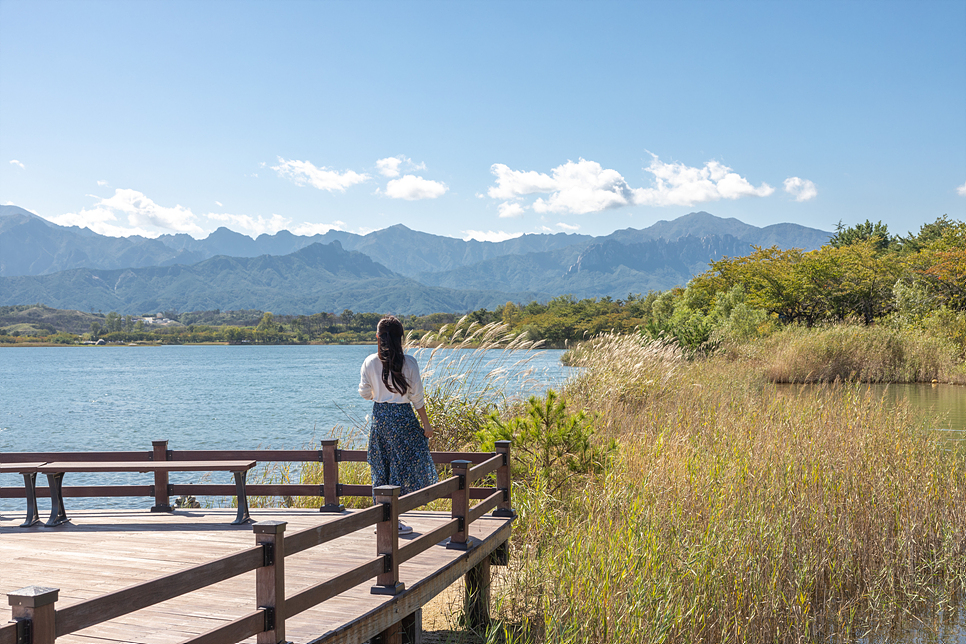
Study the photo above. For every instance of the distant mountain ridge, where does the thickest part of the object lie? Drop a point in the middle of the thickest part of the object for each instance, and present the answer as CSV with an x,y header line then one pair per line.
x,y
315,278
30,245
392,270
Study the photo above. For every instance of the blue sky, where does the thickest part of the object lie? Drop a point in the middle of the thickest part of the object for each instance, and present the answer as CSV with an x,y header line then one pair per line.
x,y
483,119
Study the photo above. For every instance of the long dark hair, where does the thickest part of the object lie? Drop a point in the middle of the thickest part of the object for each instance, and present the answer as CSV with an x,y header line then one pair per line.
x,y
389,335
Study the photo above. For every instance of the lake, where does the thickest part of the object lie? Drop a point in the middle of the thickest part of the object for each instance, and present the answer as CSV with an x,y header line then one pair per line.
x,y
202,397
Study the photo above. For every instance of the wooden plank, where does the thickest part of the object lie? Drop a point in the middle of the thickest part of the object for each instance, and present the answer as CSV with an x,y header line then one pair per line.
x,y
260,455
145,466
84,491
20,468
48,457
228,489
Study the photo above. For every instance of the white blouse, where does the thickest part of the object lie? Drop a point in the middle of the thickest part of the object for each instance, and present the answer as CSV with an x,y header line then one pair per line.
x,y
372,388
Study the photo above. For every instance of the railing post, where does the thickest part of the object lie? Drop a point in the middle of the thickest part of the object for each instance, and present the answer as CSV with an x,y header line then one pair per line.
x,y
504,509
33,606
270,580
159,454
330,476
461,507
387,540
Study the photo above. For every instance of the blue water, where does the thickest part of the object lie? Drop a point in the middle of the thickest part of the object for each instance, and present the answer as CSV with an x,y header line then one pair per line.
x,y
196,397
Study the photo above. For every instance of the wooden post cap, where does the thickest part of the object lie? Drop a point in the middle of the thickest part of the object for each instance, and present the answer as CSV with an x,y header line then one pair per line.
x,y
33,596
159,443
269,527
330,441
502,443
386,490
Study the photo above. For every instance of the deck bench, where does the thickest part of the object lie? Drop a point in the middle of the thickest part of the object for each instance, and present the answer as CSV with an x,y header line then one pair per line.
x,y
29,472
54,471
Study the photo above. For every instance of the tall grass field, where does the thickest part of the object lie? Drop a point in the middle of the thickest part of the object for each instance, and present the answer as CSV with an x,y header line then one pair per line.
x,y
735,512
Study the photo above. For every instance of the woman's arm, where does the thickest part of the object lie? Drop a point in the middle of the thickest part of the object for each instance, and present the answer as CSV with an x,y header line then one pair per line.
x,y
427,428
365,389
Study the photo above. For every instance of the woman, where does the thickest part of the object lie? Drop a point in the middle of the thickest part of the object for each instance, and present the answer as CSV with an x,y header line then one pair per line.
x,y
398,446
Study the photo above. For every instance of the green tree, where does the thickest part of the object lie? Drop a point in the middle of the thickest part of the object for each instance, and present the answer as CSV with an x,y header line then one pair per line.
x,y
550,444
113,323
877,233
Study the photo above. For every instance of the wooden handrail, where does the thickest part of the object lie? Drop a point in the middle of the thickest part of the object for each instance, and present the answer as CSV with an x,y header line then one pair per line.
x,y
121,602
486,467
236,631
8,633
107,457
315,595
317,535
428,540
421,497
84,491
483,507
127,600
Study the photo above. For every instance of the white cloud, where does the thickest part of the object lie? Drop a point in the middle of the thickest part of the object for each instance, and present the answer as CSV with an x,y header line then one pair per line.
x,y
516,183
101,182
510,209
801,189
679,185
317,229
253,226
961,190
489,235
143,216
411,188
568,226
219,204
304,173
389,167
15,162
585,186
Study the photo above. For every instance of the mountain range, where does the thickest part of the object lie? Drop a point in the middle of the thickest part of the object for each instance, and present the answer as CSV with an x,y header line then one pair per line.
x,y
395,269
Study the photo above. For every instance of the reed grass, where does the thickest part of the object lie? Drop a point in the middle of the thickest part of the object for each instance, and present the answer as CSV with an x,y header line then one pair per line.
x,y
468,371
737,512
876,353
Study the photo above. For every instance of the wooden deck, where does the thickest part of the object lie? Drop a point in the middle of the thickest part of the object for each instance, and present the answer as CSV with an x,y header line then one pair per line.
x,y
101,551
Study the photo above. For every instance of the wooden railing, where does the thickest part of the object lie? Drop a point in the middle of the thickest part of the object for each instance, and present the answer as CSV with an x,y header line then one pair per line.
x,y
37,621
330,456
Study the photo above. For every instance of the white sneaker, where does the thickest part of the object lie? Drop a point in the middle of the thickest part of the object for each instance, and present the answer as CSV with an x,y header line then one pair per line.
x,y
403,529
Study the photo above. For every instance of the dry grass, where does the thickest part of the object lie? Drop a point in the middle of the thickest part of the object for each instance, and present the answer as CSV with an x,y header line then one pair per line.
x,y
855,352
737,513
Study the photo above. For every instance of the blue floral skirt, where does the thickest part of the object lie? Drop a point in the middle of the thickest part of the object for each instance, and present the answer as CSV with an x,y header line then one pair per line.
x,y
398,450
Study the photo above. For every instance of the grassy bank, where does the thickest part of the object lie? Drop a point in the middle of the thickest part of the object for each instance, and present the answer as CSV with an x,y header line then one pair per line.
x,y
736,513
876,353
